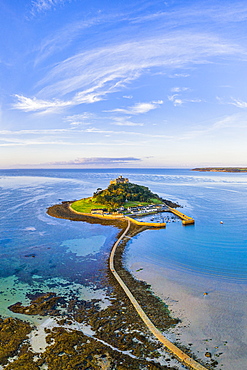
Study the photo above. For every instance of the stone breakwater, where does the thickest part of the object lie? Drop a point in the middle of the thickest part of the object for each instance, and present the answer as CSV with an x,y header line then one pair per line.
x,y
186,220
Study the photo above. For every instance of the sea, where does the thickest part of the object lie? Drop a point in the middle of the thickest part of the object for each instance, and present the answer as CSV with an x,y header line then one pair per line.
x,y
200,270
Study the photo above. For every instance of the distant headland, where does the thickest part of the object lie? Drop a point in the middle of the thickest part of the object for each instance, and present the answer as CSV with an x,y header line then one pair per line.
x,y
221,169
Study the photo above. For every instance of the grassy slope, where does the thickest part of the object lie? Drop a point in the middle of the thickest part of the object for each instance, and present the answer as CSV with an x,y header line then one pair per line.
x,y
86,204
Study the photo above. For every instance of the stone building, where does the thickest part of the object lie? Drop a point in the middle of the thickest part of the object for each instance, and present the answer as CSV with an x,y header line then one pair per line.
x,y
119,180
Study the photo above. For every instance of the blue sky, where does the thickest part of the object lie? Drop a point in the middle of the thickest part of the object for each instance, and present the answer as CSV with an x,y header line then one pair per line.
x,y
123,84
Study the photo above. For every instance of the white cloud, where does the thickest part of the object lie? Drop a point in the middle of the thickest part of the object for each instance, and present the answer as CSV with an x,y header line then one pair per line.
x,y
35,132
231,122
177,75
28,142
77,136
128,133
62,141
199,13
39,6
90,76
80,119
122,121
38,105
139,108
176,100
69,33
97,160
238,103
179,89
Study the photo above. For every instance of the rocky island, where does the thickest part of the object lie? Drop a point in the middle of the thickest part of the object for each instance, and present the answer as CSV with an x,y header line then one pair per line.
x,y
121,201
122,197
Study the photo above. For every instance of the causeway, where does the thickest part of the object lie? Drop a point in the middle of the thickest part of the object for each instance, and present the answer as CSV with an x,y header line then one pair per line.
x,y
180,355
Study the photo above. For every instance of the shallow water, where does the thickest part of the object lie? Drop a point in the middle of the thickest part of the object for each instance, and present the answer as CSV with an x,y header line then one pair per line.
x,y
40,253
208,247
33,243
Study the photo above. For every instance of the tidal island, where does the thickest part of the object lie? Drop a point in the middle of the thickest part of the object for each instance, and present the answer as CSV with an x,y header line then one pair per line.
x,y
123,204
125,326
121,201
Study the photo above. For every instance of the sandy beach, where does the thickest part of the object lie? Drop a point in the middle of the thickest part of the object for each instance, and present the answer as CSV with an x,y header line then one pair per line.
x,y
215,322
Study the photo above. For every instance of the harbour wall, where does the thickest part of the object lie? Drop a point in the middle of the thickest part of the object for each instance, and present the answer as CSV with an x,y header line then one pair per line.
x,y
121,216
186,220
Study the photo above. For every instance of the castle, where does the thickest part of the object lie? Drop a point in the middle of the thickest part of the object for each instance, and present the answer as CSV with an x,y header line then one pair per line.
x,y
119,180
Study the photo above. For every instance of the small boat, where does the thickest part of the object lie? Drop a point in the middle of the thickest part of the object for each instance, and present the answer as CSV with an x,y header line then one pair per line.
x,y
221,222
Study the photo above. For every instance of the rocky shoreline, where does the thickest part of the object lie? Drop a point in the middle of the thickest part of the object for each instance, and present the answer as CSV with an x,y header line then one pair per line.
x,y
118,338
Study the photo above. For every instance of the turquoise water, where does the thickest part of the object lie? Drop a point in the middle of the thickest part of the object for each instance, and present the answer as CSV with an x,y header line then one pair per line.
x,y
41,253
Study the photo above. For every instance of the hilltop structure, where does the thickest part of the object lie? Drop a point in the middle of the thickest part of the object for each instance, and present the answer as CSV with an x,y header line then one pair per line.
x,y
119,180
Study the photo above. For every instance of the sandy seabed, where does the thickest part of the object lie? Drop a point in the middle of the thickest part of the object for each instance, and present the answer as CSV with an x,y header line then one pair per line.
x,y
215,322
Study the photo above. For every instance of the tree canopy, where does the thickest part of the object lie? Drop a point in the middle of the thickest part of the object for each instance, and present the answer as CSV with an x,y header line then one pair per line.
x,y
116,195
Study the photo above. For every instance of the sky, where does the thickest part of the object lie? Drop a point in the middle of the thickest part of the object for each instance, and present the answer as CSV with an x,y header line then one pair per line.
x,y
136,84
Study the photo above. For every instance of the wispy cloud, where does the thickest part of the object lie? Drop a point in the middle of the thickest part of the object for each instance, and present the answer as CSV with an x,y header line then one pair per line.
x,y
122,121
39,6
80,119
239,103
198,14
128,133
230,122
139,108
32,142
179,89
38,105
178,75
15,142
67,35
77,135
177,100
97,161
236,102
90,76
35,132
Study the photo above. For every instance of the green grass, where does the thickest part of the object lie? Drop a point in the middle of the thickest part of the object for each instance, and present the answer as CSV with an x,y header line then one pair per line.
x,y
86,204
138,203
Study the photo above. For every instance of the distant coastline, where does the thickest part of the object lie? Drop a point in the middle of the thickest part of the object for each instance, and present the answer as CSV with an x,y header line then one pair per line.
x,y
221,169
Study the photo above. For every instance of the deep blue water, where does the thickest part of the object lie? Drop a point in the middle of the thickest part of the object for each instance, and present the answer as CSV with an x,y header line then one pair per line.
x,y
39,252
